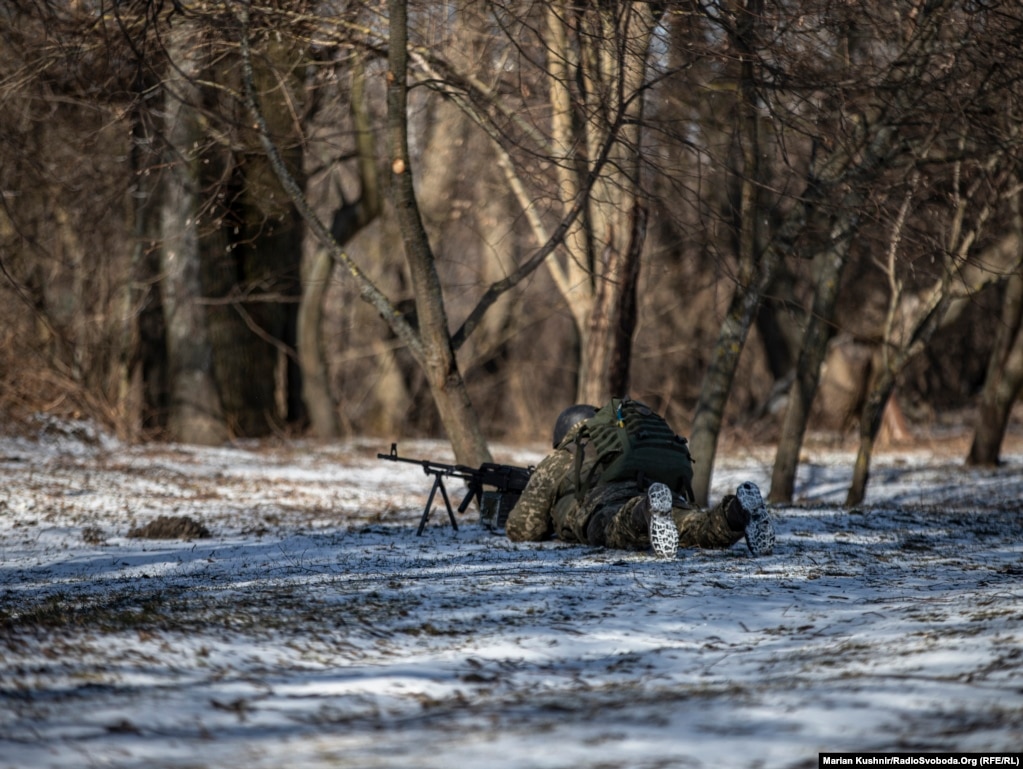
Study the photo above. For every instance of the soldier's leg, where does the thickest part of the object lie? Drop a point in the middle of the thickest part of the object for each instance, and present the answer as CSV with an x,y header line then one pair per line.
x,y
607,518
615,517
717,527
625,528
612,516
642,521
736,516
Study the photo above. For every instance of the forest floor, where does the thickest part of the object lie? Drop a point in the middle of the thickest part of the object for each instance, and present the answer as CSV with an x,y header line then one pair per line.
x,y
288,615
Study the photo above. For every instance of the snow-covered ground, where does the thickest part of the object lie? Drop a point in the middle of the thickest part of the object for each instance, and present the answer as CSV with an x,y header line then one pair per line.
x,y
313,628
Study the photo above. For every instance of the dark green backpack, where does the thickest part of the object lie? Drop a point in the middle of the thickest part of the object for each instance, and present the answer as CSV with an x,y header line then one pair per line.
x,y
627,440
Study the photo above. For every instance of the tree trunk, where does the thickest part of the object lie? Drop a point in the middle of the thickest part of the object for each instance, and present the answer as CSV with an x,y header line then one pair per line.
x,y
781,324
576,280
316,271
142,364
717,382
254,249
918,331
317,268
1003,382
1005,367
248,336
603,248
437,357
195,415
819,330
628,306
870,424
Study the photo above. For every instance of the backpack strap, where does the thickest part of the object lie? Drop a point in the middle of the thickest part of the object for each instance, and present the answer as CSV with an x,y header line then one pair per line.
x,y
577,465
582,486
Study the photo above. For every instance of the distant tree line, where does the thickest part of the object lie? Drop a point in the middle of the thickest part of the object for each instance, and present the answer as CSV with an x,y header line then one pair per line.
x,y
231,218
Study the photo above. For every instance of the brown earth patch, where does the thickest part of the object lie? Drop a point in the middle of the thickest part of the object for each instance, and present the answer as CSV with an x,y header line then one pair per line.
x,y
171,527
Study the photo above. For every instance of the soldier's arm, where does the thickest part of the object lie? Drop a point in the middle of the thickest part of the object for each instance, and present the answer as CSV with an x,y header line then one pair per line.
x,y
530,520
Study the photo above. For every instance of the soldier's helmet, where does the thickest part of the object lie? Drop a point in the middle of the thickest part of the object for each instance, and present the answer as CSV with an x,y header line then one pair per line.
x,y
569,418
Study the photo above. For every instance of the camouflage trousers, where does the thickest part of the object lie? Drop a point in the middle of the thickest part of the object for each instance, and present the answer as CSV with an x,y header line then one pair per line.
x,y
605,518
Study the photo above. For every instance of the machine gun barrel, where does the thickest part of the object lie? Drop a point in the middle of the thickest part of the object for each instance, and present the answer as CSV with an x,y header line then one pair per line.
x,y
508,482
429,466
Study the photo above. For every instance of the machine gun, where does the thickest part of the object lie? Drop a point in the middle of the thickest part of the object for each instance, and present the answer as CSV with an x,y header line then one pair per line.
x,y
505,481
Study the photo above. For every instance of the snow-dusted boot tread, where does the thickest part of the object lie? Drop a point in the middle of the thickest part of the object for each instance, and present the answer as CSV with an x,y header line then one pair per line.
x,y
663,532
760,529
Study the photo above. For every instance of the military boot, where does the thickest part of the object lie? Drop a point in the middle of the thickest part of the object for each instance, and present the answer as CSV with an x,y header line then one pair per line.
x,y
760,530
663,532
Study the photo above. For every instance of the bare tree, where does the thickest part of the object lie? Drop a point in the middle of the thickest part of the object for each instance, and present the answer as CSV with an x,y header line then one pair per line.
x,y
976,172
62,260
196,415
349,219
914,318
434,351
597,61
865,159
1005,366
867,133
1004,379
740,21
766,168
595,80
429,341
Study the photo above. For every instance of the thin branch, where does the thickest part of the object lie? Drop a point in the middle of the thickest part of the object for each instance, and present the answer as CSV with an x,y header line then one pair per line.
x,y
894,284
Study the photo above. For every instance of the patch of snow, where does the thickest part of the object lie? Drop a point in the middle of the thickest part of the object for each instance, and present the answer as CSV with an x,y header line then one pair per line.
x,y
315,629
